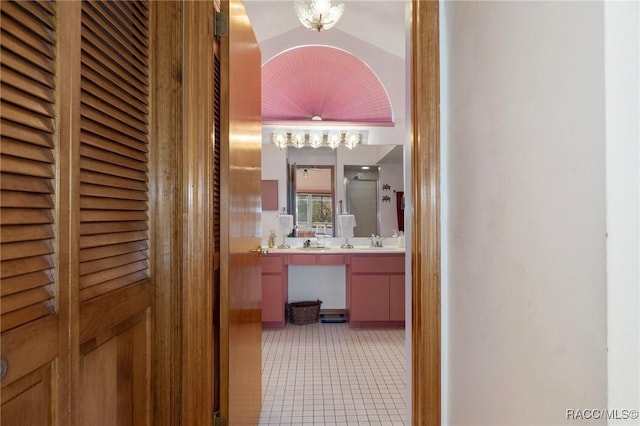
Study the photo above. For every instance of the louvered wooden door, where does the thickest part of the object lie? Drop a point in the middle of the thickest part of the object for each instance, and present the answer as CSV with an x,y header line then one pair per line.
x,y
76,286
114,285
29,306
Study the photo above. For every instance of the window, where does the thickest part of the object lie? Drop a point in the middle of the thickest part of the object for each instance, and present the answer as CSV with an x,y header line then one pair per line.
x,y
314,212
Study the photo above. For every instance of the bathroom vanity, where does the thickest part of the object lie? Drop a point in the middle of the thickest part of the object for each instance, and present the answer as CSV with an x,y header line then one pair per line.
x,y
373,282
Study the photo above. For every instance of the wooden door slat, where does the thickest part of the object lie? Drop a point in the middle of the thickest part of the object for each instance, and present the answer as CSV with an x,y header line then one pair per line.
x,y
90,190
26,216
26,101
25,315
15,233
21,116
113,111
112,273
100,117
110,216
25,134
21,65
20,149
22,249
22,166
110,157
25,200
114,101
96,73
98,240
107,133
97,203
90,139
111,286
14,182
110,180
98,265
109,227
12,268
10,43
115,29
26,298
39,11
40,41
134,25
24,282
94,47
24,83
111,169
103,252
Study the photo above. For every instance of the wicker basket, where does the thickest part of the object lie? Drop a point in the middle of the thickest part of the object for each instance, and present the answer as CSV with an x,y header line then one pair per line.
x,y
304,312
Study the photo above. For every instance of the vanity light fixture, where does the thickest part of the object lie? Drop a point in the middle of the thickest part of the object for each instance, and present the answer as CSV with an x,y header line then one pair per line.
x,y
279,138
315,139
318,15
333,139
297,138
351,139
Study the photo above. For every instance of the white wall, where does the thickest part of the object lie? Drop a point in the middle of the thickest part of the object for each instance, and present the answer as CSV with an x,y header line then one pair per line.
x,y
622,35
525,278
274,167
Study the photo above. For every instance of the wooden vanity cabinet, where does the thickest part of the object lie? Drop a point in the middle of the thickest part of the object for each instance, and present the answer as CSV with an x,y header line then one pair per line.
x,y
375,290
274,290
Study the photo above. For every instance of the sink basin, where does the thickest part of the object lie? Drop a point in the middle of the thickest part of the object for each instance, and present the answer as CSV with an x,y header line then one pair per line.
x,y
369,248
313,248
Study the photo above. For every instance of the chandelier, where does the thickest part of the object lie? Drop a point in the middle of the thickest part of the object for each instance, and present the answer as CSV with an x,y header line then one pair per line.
x,y
315,139
318,15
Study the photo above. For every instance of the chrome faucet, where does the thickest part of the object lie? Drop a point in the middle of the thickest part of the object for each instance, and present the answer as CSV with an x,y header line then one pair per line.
x,y
376,240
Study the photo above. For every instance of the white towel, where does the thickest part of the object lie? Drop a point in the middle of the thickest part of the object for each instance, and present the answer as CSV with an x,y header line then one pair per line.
x,y
346,223
286,223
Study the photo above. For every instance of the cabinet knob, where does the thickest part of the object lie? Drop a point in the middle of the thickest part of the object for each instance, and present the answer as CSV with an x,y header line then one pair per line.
x,y
4,367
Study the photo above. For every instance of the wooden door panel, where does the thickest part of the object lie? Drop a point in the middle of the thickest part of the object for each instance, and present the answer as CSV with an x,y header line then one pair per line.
x,y
27,401
115,376
241,325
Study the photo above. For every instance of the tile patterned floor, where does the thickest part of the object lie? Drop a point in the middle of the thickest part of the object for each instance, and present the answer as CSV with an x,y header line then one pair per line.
x,y
330,374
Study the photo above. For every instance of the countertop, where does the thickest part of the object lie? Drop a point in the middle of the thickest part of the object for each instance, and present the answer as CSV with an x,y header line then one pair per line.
x,y
336,250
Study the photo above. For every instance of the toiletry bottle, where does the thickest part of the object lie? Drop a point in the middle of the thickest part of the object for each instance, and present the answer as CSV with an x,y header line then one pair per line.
x,y
272,239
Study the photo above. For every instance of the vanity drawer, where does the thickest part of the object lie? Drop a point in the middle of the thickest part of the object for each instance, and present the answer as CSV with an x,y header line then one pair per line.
x,y
331,259
272,264
302,259
380,263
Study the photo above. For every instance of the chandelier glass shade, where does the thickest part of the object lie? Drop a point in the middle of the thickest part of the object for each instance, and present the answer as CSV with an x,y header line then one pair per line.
x,y
318,15
315,139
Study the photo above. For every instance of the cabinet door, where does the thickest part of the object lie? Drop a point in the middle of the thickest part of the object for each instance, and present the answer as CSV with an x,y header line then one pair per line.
x,y
396,297
272,298
369,298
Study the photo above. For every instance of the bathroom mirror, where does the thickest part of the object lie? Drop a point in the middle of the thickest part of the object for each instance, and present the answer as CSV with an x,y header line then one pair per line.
x,y
361,191
314,199
375,188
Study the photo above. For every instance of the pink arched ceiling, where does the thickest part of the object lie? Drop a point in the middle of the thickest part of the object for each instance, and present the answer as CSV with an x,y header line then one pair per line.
x,y
324,81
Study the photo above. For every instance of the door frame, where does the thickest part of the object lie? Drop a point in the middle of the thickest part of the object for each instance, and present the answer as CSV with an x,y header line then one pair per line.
x,y
182,336
425,220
